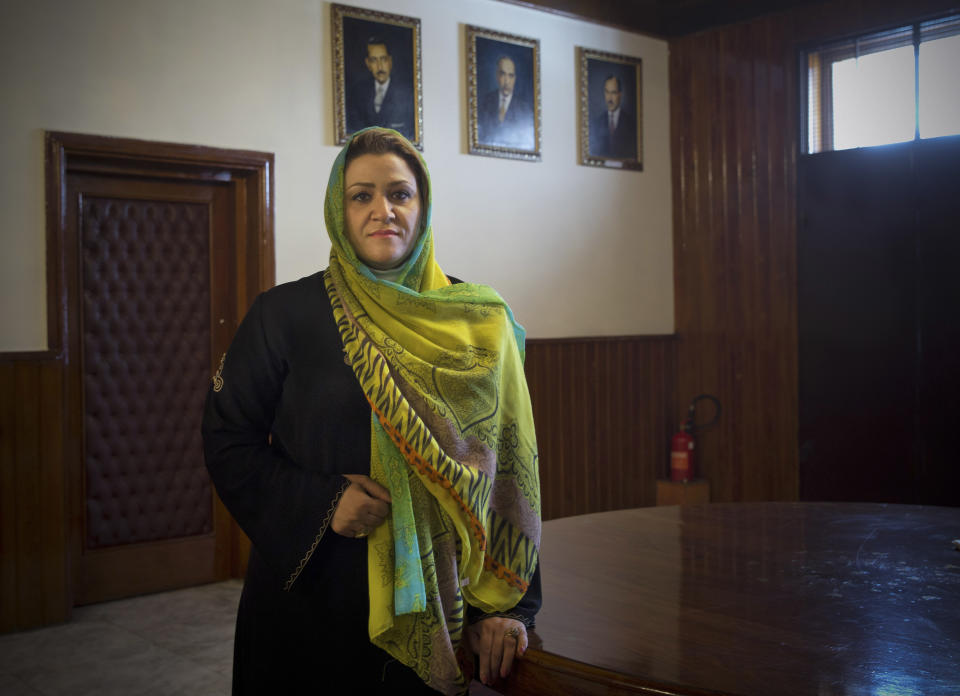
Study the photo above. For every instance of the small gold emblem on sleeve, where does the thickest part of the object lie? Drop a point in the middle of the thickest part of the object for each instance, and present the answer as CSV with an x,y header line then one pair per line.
x,y
217,378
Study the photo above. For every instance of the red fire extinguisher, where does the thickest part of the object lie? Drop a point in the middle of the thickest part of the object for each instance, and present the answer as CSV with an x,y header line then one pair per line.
x,y
682,444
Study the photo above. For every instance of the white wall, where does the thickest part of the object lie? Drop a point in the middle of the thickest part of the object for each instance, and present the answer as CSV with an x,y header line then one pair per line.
x,y
575,250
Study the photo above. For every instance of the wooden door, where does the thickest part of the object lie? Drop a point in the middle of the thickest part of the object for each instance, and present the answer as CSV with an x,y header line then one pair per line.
x,y
157,267
142,330
878,294
857,324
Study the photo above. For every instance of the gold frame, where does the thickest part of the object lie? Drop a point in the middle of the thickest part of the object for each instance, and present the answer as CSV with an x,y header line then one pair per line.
x,y
594,159
475,147
337,15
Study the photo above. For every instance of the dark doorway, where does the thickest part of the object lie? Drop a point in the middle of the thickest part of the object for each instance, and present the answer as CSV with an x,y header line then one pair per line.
x,y
162,248
878,307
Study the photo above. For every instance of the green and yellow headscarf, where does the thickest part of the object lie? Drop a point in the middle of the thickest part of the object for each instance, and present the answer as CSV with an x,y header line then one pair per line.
x,y
452,438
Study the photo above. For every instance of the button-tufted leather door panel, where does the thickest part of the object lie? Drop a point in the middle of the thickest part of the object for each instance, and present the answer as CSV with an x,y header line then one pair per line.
x,y
153,265
146,355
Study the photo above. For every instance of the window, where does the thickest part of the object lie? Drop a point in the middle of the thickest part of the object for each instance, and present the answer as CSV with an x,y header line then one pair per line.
x,y
887,87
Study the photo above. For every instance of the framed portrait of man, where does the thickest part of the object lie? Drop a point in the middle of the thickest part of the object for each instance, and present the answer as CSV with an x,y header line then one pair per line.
x,y
611,118
376,72
503,94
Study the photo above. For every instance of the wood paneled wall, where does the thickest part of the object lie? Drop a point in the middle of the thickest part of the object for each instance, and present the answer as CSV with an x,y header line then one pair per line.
x,y
734,144
734,124
33,525
604,412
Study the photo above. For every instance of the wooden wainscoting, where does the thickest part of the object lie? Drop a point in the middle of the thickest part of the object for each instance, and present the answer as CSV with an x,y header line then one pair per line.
x,y
604,410
33,526
603,406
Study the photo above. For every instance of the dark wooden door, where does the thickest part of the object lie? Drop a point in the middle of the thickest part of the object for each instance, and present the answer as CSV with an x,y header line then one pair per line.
x,y
878,298
151,264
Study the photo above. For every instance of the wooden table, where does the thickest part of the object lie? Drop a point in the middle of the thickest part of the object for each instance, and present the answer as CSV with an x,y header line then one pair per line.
x,y
752,599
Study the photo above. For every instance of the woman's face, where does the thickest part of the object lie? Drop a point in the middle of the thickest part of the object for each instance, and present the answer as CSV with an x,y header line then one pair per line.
x,y
382,209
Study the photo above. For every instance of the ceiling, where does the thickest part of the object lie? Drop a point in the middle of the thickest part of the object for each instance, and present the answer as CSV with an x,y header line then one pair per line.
x,y
663,18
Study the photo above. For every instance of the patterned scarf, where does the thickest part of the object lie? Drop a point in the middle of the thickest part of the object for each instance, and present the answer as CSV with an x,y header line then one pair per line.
x,y
452,439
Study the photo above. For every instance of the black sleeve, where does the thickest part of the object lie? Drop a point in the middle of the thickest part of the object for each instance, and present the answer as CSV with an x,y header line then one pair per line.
x,y
526,609
283,507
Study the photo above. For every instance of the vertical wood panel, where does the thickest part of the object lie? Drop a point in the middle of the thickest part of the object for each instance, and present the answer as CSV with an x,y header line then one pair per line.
x,y
53,524
734,252
8,511
604,410
33,581
27,481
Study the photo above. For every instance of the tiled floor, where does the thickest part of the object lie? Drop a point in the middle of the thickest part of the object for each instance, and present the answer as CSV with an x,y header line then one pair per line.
x,y
170,644
174,643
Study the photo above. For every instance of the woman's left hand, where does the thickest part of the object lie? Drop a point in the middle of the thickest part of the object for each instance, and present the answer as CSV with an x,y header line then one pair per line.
x,y
497,641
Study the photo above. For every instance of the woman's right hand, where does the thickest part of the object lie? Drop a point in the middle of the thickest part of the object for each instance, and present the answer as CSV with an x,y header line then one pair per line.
x,y
363,507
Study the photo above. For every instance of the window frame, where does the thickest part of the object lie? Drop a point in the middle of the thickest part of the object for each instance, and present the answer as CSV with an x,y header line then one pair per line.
x,y
815,64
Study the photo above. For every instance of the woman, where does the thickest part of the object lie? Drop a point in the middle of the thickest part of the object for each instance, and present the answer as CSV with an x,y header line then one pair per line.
x,y
370,430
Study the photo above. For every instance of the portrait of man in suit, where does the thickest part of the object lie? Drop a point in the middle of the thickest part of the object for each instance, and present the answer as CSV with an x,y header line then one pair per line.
x,y
613,130
381,97
503,78
504,115
611,122
376,72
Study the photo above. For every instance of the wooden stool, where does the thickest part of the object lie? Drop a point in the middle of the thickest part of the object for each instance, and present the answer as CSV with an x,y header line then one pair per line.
x,y
683,493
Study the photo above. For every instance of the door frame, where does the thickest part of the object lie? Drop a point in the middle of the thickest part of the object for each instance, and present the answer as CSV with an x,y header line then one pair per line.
x,y
248,174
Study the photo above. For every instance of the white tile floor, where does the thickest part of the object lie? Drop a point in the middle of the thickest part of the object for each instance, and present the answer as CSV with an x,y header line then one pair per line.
x,y
169,644
173,643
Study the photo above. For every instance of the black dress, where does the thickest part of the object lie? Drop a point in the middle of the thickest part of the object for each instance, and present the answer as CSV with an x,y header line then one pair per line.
x,y
284,420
